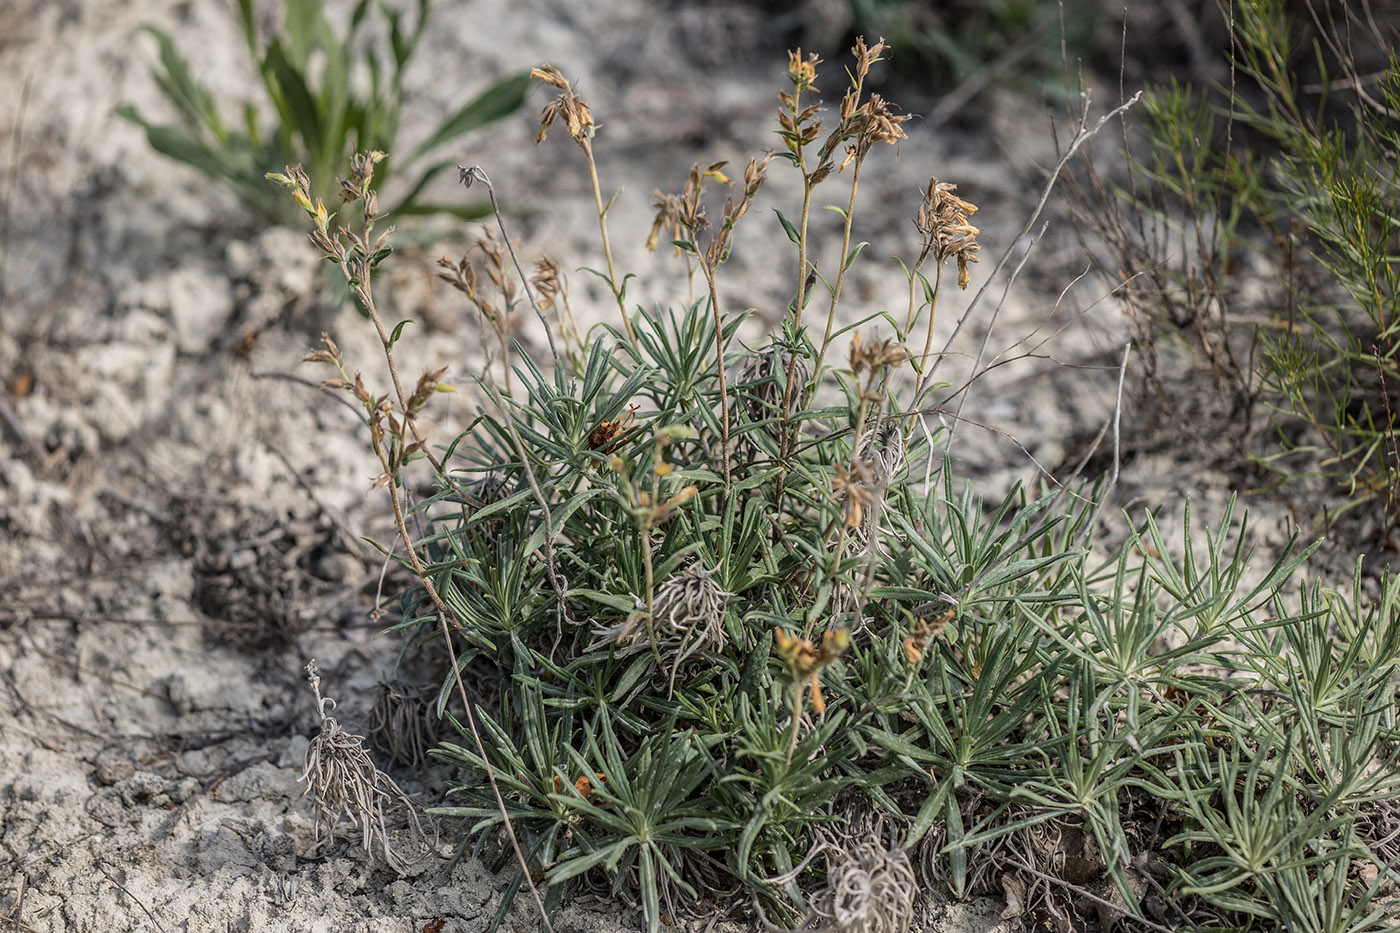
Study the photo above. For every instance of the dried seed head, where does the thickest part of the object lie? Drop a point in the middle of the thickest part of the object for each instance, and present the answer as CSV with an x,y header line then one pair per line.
x,y
429,383
874,122
755,174
549,282
568,106
873,356
923,633
943,222
867,56
361,174
805,659
461,275
854,486
803,71
497,269
682,214
296,183
882,124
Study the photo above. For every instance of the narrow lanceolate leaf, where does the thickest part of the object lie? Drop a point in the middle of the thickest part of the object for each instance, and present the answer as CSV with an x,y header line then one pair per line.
x,y
300,104
788,228
855,251
496,102
195,104
175,143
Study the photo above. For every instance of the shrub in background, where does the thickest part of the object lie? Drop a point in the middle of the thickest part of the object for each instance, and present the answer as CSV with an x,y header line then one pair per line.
x,y
971,45
309,78
757,647
1291,171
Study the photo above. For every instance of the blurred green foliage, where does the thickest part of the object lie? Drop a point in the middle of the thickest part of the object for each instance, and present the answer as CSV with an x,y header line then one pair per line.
x,y
309,77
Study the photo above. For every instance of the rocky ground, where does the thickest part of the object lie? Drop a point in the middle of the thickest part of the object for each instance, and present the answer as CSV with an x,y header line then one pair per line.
x,y
182,512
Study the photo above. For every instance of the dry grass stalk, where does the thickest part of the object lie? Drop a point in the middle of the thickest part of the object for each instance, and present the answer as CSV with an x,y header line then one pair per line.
x,y
684,215
357,262
578,119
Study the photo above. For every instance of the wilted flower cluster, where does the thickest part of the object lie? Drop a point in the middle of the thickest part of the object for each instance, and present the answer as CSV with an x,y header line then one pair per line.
x,y
359,186
682,214
854,485
942,220
805,661
568,106
923,633
868,357
871,122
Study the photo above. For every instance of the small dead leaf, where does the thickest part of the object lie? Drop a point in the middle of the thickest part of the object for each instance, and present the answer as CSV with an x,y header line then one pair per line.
x,y
1013,890
584,787
22,383
247,343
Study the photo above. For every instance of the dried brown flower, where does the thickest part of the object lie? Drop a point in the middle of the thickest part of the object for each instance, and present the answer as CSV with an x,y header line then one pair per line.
x,y
943,222
568,106
803,71
867,56
461,275
549,282
872,356
873,122
854,485
296,183
805,661
923,634
683,213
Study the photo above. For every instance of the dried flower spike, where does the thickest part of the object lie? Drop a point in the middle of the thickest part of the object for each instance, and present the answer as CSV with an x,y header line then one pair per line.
x,y
568,106
854,486
943,222
803,71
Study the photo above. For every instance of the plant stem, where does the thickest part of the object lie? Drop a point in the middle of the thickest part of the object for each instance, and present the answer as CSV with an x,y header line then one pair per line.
x,y
841,273
799,693
444,614
587,145
501,331
911,317
786,431
719,368
928,335
651,590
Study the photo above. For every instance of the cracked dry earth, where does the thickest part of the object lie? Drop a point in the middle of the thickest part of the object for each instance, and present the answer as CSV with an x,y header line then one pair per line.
x,y
182,513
